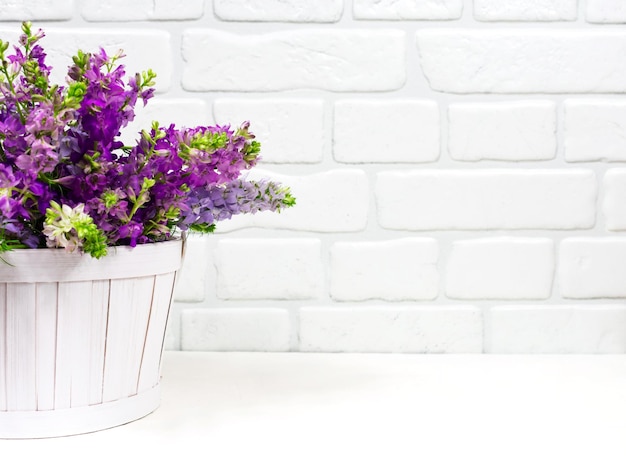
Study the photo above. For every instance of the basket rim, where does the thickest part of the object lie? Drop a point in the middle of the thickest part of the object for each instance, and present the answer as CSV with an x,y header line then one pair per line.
x,y
57,265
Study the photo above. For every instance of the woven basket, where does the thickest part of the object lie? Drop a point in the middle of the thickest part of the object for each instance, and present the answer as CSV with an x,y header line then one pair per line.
x,y
81,339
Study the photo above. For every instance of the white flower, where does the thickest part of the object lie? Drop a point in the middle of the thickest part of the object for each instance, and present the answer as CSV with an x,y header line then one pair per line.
x,y
59,226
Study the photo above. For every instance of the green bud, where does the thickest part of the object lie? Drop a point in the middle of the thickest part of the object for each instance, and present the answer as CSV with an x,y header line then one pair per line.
x,y
26,27
147,78
147,184
109,199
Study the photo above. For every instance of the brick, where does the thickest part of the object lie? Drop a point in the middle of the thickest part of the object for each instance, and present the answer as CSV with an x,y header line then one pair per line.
x,y
192,278
321,11
556,329
486,199
594,130
176,9
500,268
614,203
290,130
605,11
524,10
333,60
383,329
592,267
508,131
138,10
143,48
407,9
268,268
184,112
386,131
44,10
395,270
236,329
331,201
523,60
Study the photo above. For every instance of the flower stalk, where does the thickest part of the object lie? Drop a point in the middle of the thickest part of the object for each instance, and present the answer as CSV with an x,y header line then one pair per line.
x,y
68,181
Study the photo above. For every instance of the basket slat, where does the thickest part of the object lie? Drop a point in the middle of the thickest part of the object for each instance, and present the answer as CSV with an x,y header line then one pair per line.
x,y
99,317
151,360
129,310
46,302
3,334
21,347
75,298
81,334
67,329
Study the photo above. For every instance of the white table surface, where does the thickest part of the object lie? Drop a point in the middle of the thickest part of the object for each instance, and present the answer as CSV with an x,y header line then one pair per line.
x,y
363,410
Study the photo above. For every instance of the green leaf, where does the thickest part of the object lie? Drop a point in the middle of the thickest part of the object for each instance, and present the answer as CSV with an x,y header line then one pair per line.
x,y
204,228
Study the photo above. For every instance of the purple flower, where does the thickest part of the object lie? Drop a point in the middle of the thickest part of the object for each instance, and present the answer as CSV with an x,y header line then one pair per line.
x,y
61,158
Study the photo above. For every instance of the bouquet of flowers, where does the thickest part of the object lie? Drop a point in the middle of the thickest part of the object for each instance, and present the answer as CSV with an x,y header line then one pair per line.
x,y
66,180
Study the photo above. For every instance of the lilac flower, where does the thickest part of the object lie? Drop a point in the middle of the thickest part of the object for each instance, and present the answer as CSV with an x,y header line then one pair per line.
x,y
220,202
67,180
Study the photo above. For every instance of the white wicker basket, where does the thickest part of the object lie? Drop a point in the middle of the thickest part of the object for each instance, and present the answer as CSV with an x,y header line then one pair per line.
x,y
81,339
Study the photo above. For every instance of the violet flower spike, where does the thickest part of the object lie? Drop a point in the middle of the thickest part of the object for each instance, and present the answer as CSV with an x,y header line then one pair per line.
x,y
68,181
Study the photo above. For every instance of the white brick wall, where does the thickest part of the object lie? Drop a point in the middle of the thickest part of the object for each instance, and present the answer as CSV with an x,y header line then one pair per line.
x,y
137,10
557,329
615,199
407,9
595,130
606,11
36,10
456,329
346,60
459,166
411,131
403,269
486,199
235,329
523,60
501,268
304,11
268,268
525,10
593,267
509,131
